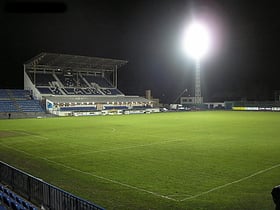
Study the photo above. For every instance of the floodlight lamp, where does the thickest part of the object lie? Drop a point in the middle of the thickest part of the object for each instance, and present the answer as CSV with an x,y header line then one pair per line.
x,y
196,40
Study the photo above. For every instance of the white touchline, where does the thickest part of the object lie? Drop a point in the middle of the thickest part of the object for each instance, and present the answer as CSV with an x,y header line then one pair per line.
x,y
147,191
110,180
231,183
94,175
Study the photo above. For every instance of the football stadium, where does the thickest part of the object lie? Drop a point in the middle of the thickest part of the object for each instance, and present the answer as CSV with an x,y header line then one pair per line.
x,y
72,140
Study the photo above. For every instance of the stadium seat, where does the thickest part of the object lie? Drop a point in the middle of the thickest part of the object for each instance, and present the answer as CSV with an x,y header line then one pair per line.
x,y
2,207
25,204
12,195
15,205
18,101
19,200
32,208
6,191
42,79
13,201
6,200
20,203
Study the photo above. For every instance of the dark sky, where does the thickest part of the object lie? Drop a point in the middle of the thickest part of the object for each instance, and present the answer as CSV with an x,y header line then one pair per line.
x,y
242,63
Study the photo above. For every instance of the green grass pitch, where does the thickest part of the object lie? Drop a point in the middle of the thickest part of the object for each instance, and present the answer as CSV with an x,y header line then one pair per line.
x,y
186,160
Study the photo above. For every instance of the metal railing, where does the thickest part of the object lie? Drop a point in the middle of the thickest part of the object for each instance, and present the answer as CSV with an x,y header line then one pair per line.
x,y
41,193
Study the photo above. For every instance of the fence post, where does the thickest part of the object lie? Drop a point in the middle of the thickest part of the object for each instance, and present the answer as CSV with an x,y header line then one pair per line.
x,y
28,188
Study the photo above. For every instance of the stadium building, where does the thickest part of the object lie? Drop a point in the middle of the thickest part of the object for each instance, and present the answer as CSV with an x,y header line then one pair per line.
x,y
80,85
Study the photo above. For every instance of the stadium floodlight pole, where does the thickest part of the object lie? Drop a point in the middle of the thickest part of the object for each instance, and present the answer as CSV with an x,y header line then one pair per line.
x,y
196,45
197,91
116,77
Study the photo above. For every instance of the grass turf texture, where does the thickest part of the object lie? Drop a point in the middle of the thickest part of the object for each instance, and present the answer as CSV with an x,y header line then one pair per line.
x,y
187,160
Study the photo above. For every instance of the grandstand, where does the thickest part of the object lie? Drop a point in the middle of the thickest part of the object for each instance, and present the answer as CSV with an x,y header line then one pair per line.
x,y
10,200
17,102
73,85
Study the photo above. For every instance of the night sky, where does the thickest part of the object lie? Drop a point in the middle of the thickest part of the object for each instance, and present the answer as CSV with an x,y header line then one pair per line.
x,y
243,62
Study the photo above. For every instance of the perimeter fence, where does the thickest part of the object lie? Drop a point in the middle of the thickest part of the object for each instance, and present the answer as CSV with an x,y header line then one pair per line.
x,y
41,193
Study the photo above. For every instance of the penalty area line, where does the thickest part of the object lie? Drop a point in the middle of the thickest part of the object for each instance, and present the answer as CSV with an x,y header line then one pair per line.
x,y
231,183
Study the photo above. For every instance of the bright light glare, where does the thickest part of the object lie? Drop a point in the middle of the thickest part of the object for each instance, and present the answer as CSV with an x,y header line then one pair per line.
x,y
196,40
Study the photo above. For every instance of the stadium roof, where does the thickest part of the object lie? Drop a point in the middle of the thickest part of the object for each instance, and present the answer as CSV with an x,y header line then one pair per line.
x,y
98,99
53,61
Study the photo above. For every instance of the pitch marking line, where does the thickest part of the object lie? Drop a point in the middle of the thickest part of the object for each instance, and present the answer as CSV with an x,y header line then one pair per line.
x,y
111,180
24,132
231,183
178,195
94,175
147,191
115,149
28,134
18,150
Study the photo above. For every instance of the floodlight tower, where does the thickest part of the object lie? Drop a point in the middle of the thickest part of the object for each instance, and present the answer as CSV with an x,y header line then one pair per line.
x,y
196,45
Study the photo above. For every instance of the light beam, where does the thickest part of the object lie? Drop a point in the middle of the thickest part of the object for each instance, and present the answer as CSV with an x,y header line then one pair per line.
x,y
196,40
